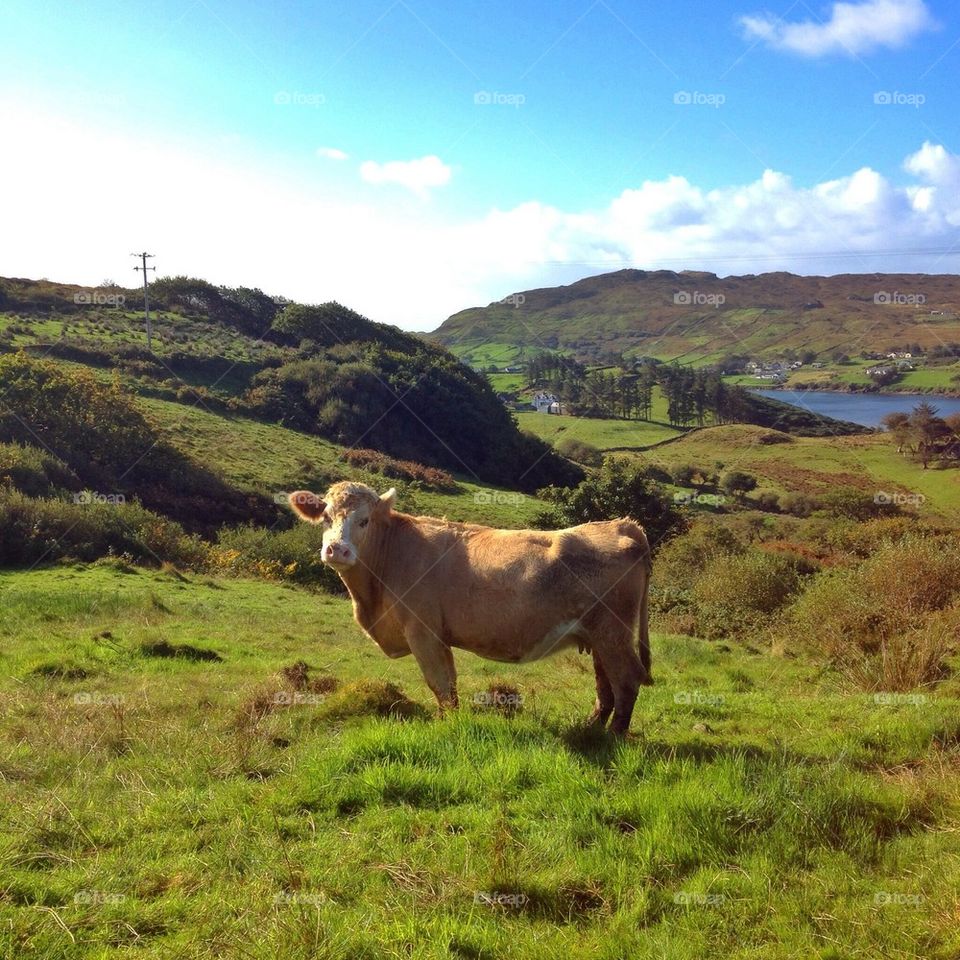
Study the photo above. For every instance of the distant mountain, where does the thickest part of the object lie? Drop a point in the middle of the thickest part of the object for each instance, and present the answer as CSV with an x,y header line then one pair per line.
x,y
696,316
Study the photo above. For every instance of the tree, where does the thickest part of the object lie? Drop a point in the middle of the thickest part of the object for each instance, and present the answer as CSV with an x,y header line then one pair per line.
x,y
620,488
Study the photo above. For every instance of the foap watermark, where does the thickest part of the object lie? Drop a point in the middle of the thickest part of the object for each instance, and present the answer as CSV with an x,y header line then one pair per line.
x,y
896,98
497,698
885,899
296,898
492,98
514,300
710,499
899,299
86,699
696,298
97,897
698,698
882,498
498,497
696,98
295,98
87,497
687,899
284,698
899,699
495,899
98,298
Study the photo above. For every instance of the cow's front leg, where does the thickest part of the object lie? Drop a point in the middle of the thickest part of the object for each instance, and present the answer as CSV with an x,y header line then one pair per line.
x,y
436,664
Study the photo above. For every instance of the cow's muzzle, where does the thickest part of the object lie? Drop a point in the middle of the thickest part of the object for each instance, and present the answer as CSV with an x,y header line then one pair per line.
x,y
338,555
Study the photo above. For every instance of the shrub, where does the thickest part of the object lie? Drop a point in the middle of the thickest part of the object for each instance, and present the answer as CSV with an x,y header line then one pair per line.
x,y
35,531
33,471
737,594
736,482
580,451
291,555
798,504
620,488
854,505
432,478
889,622
768,501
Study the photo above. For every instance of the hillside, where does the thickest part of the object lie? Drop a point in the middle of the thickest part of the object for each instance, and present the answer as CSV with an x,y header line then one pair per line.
x,y
700,317
319,369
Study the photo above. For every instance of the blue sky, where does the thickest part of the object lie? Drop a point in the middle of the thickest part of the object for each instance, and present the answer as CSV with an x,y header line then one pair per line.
x,y
412,158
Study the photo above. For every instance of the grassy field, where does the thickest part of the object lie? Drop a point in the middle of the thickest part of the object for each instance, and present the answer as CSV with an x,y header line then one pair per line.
x,y
817,465
603,434
167,793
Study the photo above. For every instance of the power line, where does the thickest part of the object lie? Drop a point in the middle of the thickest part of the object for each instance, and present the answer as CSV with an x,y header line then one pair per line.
x,y
146,300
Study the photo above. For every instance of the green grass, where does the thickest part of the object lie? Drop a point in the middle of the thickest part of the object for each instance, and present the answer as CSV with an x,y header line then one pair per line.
x,y
150,811
603,434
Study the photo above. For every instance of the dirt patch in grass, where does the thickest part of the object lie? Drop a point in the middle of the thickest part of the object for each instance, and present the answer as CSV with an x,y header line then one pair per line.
x,y
59,671
179,651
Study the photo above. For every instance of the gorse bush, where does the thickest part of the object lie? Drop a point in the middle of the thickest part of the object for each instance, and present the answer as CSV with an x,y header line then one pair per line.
x,y
291,555
890,622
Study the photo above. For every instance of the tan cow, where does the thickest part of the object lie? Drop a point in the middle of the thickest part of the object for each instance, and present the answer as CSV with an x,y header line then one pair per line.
x,y
423,586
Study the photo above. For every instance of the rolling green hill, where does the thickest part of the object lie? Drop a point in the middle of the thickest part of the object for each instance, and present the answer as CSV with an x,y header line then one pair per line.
x,y
696,317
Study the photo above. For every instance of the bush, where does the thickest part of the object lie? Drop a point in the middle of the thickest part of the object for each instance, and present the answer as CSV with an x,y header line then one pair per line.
x,y
579,451
798,504
432,478
737,594
620,488
43,531
890,622
768,501
855,505
34,472
291,555
736,483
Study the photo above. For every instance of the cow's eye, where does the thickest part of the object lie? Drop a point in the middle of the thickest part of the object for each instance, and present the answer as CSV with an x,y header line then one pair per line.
x,y
363,522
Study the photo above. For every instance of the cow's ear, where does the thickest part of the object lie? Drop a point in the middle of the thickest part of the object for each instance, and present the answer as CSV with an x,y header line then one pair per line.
x,y
306,505
386,501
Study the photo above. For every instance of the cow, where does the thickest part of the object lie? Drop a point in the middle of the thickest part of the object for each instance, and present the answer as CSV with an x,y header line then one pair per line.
x,y
427,586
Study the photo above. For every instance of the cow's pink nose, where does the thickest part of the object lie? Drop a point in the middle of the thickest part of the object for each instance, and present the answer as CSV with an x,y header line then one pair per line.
x,y
338,552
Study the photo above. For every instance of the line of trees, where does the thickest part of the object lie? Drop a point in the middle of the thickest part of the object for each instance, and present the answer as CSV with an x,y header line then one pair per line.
x,y
691,394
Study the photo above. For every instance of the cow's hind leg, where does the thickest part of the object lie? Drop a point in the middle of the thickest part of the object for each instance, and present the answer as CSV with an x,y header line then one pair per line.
x,y
612,642
436,663
604,705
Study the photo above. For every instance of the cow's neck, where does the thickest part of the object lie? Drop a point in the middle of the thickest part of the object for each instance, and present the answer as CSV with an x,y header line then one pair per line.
x,y
364,579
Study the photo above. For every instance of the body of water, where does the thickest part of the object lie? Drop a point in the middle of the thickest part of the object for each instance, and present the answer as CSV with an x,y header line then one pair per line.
x,y
865,408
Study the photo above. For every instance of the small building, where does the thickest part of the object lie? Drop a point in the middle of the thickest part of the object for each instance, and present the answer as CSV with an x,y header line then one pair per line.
x,y
543,401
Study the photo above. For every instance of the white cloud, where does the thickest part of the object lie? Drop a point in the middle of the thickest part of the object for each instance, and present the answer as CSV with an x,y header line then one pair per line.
x,y
332,153
852,28
292,235
418,176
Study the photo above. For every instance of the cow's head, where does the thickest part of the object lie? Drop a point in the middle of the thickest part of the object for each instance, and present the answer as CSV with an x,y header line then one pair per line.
x,y
346,511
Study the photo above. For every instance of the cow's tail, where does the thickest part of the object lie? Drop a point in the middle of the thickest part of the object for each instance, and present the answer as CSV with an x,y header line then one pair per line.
x,y
643,631
636,533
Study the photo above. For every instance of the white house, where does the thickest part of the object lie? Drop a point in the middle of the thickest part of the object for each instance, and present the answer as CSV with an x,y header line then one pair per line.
x,y
542,403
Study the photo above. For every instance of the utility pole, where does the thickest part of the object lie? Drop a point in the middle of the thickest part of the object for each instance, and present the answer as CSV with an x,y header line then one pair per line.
x,y
146,300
